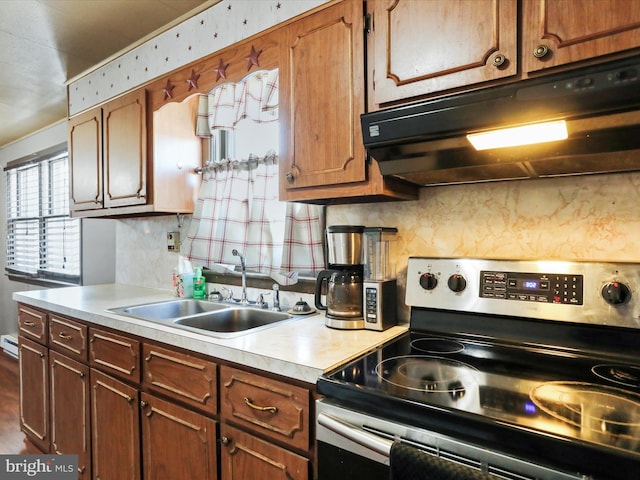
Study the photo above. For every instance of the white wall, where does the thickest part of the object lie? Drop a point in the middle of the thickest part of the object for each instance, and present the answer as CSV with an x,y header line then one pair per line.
x,y
41,140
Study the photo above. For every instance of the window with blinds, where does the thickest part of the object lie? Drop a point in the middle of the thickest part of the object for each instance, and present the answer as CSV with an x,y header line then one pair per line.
x,y
42,240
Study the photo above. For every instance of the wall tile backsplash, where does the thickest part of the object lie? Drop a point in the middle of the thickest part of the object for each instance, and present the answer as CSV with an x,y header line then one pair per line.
x,y
572,218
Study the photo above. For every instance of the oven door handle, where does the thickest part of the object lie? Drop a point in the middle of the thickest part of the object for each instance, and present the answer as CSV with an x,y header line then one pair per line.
x,y
368,440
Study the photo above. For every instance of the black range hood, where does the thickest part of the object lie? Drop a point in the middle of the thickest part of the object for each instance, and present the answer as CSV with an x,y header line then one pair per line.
x,y
425,143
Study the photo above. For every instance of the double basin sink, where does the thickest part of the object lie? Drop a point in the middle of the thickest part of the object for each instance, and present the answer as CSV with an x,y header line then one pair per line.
x,y
217,319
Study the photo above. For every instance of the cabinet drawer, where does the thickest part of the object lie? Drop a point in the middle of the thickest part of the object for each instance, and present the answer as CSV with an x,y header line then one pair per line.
x,y
115,354
272,407
183,377
32,324
68,337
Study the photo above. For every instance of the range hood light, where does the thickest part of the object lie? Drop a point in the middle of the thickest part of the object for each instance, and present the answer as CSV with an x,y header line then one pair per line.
x,y
522,135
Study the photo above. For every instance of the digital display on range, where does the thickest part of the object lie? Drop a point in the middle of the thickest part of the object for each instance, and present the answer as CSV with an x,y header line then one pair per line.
x,y
532,287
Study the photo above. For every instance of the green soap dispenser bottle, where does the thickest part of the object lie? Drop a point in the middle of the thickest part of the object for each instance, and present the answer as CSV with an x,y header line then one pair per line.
x,y
199,285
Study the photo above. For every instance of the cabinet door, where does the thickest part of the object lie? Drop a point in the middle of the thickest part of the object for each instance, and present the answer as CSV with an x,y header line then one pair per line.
x,y
321,99
418,48
244,456
557,32
125,150
177,443
34,392
85,160
70,422
115,428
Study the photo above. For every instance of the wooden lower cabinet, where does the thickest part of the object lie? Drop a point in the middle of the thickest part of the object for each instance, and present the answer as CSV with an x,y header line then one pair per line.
x,y
34,392
177,443
142,411
69,404
115,428
244,456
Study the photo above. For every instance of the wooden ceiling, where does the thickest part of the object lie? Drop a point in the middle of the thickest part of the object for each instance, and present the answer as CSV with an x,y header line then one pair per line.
x,y
44,43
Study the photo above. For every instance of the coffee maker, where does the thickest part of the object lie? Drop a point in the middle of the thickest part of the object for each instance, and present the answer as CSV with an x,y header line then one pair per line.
x,y
342,281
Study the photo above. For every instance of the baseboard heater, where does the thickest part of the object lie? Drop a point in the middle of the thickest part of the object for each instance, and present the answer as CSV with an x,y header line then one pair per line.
x,y
9,344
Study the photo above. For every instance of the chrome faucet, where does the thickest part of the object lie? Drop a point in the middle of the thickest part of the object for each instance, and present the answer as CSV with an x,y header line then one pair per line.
x,y
244,300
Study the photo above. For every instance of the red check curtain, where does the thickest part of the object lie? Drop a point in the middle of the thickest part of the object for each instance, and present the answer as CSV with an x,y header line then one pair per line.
x,y
238,204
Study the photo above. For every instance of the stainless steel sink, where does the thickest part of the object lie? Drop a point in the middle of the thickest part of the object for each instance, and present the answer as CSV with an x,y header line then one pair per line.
x,y
232,320
216,319
169,309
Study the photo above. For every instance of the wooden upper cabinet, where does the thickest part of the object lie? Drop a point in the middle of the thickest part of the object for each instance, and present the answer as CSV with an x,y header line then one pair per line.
x,y
119,167
558,32
322,95
85,160
125,150
108,155
421,47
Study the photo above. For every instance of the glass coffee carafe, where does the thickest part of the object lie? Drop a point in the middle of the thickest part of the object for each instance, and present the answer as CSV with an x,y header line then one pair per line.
x,y
342,281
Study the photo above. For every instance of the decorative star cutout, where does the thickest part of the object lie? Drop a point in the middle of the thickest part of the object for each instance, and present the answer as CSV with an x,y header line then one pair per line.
x,y
168,90
252,59
221,70
192,81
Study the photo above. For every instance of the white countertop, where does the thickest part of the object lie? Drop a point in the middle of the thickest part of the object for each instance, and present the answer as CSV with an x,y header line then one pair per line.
x,y
302,348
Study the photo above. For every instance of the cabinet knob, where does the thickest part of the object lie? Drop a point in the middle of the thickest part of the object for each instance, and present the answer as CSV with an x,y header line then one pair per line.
x,y
143,403
65,336
225,440
29,324
499,60
289,177
540,51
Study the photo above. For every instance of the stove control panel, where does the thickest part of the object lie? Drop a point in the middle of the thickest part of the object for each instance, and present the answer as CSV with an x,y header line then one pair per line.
x,y
532,287
584,292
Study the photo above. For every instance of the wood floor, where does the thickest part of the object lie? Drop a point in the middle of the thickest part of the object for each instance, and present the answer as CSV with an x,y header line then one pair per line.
x,y
12,440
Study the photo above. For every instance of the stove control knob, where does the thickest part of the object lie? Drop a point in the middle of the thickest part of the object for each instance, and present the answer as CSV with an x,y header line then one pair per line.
x,y
457,283
428,281
616,293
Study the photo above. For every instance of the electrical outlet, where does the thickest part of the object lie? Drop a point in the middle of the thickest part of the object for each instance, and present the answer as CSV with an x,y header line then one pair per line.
x,y
173,241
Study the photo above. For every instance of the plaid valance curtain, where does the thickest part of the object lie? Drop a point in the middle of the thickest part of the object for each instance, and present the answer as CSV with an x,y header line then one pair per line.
x,y
254,98
238,204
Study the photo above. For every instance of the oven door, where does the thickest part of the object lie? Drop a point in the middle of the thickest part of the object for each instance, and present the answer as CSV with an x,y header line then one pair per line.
x,y
346,450
353,444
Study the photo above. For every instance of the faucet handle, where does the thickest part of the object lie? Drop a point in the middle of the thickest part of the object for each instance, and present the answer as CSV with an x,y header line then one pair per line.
x,y
261,301
276,297
229,295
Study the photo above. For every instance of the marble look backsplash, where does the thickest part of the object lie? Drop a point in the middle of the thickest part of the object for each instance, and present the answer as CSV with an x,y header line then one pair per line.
x,y
593,217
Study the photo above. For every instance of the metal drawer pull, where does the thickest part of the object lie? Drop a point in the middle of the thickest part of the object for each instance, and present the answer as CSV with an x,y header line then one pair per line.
x,y
351,432
250,404
64,336
29,324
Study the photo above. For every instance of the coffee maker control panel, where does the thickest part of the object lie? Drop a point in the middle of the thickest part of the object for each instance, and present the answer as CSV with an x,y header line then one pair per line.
x,y
379,301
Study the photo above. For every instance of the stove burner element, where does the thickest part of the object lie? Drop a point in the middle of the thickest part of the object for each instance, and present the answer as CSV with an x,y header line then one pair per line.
x,y
603,414
427,374
627,375
437,345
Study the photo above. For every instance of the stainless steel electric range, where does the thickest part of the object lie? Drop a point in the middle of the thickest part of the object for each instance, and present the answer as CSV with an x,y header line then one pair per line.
x,y
519,369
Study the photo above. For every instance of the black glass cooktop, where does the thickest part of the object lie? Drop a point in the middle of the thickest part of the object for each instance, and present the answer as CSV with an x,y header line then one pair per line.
x,y
494,392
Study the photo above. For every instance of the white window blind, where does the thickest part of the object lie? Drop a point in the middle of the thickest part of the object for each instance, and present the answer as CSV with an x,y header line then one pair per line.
x,y
42,240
